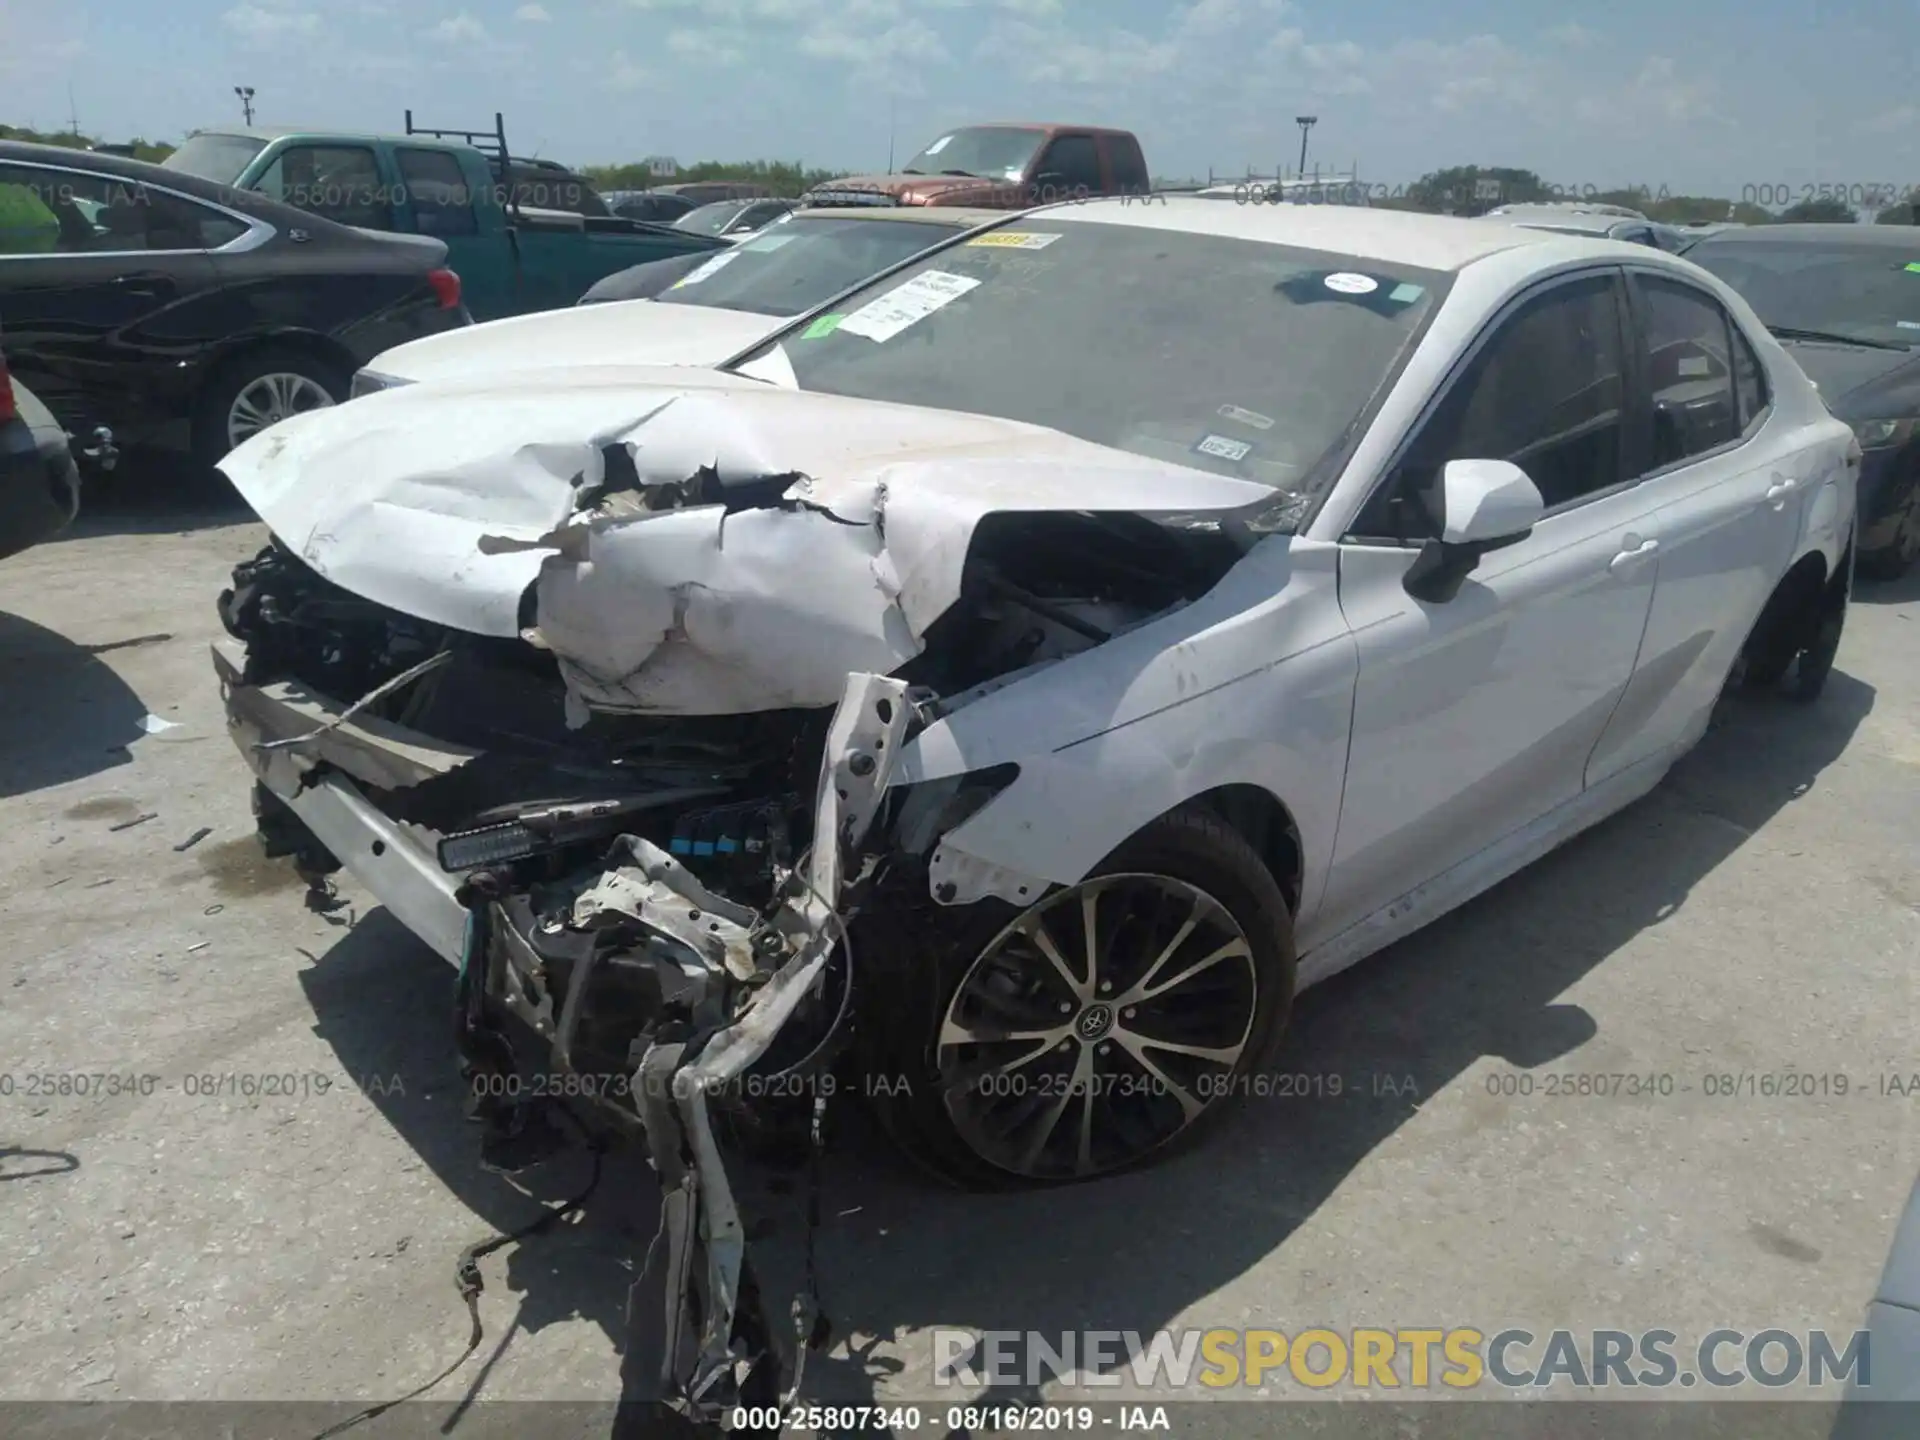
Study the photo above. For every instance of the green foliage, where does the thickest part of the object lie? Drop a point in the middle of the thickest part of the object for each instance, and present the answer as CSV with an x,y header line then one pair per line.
x,y
1907,212
782,177
1455,190
151,151
1824,210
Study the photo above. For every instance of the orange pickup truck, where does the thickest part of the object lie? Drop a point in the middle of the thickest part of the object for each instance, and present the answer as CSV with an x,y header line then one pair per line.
x,y
1004,166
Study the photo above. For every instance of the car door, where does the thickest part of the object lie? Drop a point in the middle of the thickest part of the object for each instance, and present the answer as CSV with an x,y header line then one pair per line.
x,y
437,200
95,278
1069,168
1476,715
1729,502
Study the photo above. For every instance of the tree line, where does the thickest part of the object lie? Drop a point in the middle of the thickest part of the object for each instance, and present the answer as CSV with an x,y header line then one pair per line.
x,y
1456,190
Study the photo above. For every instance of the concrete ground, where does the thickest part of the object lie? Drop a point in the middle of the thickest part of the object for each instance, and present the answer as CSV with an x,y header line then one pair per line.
x,y
192,1236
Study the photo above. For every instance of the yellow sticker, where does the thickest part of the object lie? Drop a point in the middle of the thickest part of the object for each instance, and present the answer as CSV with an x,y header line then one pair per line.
x,y
1014,239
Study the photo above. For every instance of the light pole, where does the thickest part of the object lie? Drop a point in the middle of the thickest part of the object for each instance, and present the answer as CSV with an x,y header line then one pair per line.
x,y
1306,123
245,92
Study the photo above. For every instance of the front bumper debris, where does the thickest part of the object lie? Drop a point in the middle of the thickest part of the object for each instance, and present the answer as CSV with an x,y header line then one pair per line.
x,y
726,981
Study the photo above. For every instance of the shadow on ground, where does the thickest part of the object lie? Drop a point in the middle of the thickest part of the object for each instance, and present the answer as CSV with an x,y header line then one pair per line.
x,y
66,714
153,493
1889,592
899,1254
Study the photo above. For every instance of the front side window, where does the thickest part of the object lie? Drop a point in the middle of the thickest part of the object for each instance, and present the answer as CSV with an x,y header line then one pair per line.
x,y
75,212
336,182
989,152
1688,370
1129,169
800,263
709,219
1545,392
1236,357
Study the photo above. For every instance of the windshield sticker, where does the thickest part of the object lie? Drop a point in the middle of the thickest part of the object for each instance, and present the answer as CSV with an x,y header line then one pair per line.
x,y
1245,417
1907,324
1015,239
1406,294
822,327
768,242
937,146
880,320
1222,447
1694,365
712,267
1347,283
1913,267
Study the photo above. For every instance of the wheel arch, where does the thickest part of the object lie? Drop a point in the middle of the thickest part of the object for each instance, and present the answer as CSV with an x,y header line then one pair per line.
x,y
320,347
1263,820
1792,611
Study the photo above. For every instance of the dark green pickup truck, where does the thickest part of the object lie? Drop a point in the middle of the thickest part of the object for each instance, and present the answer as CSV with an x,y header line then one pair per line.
x,y
522,234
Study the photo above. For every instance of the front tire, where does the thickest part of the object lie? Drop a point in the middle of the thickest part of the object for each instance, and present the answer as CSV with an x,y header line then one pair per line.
x,y
1095,1030
255,391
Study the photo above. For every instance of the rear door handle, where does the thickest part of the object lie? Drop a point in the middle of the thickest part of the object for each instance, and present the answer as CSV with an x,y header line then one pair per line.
x,y
1782,487
1638,549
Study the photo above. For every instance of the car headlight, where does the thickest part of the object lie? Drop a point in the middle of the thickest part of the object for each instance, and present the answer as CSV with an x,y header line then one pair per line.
x,y
1880,434
365,382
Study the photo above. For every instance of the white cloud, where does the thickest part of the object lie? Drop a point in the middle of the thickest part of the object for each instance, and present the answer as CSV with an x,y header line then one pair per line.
x,y
532,14
717,47
461,29
265,22
621,73
1889,122
911,42
1573,36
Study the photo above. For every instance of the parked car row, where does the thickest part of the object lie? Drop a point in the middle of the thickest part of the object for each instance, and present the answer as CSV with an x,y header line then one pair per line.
x,y
1021,669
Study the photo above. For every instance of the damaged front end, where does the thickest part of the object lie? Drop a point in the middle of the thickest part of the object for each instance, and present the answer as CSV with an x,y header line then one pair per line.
x,y
625,750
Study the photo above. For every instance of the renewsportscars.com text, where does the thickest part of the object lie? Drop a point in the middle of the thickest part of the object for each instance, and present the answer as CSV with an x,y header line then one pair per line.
x,y
1363,1358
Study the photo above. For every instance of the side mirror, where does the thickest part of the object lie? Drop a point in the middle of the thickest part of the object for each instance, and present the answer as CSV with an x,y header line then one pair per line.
x,y
1482,505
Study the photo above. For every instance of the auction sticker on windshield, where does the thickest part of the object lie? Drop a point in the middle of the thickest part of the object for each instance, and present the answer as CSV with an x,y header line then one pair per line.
x,y
1224,448
1347,283
880,320
712,267
1015,239
1246,417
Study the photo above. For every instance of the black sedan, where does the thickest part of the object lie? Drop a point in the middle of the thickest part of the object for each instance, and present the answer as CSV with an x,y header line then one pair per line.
x,y
1845,300
183,313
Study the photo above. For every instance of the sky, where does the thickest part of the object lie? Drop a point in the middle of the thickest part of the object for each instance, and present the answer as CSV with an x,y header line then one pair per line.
x,y
1741,98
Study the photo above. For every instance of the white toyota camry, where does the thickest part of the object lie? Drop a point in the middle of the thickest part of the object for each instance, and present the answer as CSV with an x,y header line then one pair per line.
x,y
1038,664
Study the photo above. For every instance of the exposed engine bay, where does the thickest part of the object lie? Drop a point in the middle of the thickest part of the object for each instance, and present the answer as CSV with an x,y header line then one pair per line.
x,y
674,906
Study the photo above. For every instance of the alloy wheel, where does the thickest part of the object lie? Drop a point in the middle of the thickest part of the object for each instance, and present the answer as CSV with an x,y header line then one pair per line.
x,y
1097,1026
268,400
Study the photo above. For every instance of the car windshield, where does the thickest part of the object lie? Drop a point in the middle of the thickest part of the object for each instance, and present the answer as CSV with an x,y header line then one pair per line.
x,y
1233,356
709,219
1869,293
219,158
994,151
792,266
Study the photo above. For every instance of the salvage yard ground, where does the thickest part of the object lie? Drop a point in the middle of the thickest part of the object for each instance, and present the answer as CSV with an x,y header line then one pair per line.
x,y
1759,913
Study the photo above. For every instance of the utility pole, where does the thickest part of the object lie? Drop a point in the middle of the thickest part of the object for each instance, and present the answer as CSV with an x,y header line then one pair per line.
x,y
893,115
73,112
245,92
1306,123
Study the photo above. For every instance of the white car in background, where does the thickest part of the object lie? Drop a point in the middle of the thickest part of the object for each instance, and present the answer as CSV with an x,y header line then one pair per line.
x,y
688,309
1087,636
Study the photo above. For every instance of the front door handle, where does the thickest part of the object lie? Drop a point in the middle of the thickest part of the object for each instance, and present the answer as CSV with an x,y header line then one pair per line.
x,y
1782,487
1634,549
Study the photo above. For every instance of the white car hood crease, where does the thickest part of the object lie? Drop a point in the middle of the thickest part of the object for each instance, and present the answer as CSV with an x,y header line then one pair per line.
x,y
447,501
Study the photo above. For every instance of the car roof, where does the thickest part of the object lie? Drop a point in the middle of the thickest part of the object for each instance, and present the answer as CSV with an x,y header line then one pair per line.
x,y
1403,237
1048,125
267,134
122,167
1889,237
958,216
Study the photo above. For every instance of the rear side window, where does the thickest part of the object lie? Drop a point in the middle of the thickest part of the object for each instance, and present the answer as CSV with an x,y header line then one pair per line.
x,y
435,184
71,212
1689,370
1070,163
1749,380
337,182
1129,168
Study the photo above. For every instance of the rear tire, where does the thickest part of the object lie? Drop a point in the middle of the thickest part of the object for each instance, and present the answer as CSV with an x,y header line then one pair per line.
x,y
1093,1096
254,390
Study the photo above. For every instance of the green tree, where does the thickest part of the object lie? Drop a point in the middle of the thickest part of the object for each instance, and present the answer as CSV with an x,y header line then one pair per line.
x,y
1457,190
1824,210
782,177
1907,212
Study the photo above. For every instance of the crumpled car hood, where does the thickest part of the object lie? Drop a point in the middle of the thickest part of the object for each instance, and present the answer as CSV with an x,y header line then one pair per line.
x,y
447,501
620,332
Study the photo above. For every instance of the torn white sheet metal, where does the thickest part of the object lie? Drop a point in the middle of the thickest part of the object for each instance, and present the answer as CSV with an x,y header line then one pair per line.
x,y
439,499
660,892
